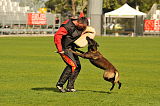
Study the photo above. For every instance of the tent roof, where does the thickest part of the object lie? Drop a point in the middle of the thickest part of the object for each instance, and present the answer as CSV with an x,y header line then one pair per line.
x,y
124,12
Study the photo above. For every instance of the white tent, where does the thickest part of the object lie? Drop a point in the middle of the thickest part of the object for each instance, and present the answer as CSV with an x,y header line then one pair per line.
x,y
124,12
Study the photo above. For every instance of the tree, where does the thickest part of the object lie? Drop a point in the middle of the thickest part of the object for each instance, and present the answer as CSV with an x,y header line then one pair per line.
x,y
144,5
71,7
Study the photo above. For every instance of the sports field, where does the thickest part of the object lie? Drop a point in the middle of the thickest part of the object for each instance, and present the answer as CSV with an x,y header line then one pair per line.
x,y
29,70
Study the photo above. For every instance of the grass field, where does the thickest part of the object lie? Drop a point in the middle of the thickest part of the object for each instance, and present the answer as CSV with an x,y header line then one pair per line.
x,y
29,70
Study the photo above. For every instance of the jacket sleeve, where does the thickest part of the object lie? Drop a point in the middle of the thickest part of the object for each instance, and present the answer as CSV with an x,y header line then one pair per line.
x,y
58,37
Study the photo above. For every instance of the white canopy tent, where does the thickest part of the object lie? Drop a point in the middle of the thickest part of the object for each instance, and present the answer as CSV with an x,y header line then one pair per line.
x,y
124,11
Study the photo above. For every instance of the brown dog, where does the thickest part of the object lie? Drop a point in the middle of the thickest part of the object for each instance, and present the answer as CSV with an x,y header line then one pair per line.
x,y
96,58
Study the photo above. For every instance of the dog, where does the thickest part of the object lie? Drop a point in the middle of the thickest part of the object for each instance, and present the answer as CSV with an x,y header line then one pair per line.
x,y
111,74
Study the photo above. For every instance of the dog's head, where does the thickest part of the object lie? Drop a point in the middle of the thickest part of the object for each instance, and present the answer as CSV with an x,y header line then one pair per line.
x,y
92,44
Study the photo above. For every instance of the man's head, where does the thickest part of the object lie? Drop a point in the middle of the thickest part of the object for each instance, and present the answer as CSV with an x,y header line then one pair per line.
x,y
82,23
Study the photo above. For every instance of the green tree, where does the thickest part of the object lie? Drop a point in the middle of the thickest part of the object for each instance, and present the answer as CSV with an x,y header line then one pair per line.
x,y
144,5
64,7
73,7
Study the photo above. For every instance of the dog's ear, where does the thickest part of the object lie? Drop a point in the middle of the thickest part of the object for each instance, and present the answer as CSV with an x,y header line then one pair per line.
x,y
97,45
88,38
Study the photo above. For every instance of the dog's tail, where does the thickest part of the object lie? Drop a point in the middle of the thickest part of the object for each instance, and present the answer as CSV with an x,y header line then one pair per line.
x,y
116,77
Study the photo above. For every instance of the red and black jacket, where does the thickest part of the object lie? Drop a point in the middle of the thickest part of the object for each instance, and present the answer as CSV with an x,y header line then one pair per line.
x,y
66,35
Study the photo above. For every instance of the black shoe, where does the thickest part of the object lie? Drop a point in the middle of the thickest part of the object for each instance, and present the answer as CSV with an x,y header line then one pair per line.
x,y
71,90
60,88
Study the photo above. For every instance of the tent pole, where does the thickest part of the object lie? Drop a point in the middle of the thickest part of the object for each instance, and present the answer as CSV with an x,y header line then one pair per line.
x,y
104,25
135,25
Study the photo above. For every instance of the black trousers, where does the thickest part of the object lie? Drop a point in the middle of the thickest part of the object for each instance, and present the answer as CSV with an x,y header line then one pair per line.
x,y
71,71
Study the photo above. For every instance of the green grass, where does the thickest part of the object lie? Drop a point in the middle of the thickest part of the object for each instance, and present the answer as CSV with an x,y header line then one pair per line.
x,y
29,70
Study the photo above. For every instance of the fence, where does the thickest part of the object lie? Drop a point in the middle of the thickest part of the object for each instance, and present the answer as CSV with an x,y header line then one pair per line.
x,y
28,23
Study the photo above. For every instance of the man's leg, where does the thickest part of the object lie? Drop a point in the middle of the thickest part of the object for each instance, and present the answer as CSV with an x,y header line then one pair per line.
x,y
63,78
74,74
72,78
71,66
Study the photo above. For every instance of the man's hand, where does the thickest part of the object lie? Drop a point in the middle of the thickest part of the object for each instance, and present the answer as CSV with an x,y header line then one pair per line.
x,y
62,52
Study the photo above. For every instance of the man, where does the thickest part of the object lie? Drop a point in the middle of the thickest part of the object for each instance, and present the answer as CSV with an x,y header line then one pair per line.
x,y
64,39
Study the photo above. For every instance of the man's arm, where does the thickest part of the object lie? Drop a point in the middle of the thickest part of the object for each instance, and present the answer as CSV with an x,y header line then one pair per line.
x,y
58,37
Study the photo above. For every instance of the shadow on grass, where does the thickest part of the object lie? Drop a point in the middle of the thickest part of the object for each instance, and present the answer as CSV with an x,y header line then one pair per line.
x,y
56,90
96,91
46,89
